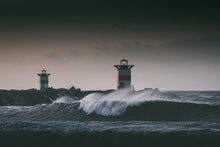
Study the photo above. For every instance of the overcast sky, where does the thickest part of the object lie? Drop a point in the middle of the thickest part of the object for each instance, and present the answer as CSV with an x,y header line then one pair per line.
x,y
174,45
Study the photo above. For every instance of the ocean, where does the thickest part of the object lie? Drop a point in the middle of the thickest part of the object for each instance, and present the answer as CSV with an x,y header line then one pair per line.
x,y
118,118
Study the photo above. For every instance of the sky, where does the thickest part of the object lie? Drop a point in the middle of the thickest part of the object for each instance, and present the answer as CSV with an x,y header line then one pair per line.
x,y
174,45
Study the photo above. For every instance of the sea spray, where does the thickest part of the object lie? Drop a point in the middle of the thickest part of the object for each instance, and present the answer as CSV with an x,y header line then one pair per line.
x,y
123,105
64,99
115,103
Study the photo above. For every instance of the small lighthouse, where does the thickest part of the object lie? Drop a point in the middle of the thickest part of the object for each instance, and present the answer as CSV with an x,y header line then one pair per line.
x,y
124,74
43,79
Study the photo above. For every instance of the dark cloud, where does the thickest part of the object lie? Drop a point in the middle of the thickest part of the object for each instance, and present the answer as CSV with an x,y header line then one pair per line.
x,y
204,49
53,56
80,36
72,55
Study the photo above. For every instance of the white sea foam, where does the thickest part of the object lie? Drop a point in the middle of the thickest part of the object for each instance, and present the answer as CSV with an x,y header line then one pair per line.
x,y
64,100
116,102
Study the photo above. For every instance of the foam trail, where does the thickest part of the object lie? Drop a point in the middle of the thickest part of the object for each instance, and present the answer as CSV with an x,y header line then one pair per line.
x,y
64,100
115,103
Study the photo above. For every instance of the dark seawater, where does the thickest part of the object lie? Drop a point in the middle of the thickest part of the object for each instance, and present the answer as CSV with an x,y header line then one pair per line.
x,y
120,118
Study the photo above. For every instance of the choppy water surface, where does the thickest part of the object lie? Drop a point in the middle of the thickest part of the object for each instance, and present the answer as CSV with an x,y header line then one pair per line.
x,y
147,117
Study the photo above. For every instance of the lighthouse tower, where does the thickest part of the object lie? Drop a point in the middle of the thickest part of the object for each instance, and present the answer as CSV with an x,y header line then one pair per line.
x,y
43,79
124,74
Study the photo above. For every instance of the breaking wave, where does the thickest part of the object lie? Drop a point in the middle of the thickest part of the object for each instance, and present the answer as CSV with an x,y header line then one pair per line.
x,y
123,105
117,102
111,118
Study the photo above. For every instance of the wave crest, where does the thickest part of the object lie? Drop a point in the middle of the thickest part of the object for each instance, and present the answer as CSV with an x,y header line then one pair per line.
x,y
116,103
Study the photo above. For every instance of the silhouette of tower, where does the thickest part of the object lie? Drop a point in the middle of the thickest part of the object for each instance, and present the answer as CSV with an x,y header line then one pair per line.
x,y
43,80
124,74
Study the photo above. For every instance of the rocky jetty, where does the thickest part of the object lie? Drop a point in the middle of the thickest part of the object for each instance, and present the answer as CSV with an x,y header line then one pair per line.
x,y
32,97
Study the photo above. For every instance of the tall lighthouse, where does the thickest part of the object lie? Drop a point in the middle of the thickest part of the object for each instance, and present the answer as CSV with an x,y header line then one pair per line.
x,y
124,74
43,79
